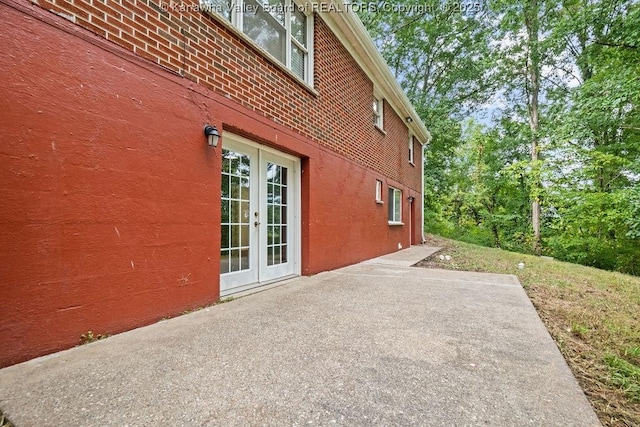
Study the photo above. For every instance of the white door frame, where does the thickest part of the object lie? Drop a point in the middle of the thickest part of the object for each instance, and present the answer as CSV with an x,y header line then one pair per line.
x,y
260,274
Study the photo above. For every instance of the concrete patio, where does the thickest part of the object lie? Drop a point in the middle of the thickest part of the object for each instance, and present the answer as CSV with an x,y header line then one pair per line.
x,y
377,343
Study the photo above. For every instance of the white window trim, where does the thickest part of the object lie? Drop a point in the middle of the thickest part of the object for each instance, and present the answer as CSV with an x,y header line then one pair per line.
x,y
392,206
235,25
378,99
379,192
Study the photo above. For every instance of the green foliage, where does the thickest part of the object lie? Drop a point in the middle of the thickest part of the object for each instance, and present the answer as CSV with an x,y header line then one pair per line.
x,y
481,179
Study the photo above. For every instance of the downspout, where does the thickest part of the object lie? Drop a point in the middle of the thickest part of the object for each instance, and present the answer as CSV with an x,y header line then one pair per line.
x,y
424,150
411,199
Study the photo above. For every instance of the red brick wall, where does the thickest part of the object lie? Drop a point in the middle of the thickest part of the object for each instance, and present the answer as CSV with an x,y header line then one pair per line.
x,y
340,117
111,215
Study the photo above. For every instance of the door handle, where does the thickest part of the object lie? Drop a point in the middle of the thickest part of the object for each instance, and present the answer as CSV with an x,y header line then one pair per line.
x,y
256,223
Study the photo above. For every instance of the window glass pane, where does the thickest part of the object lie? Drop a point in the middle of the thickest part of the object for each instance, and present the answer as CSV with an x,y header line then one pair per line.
x,y
276,214
390,206
270,255
244,233
244,165
235,236
265,31
270,214
225,160
225,186
276,174
244,259
271,172
244,189
224,237
224,262
276,194
221,7
235,212
299,27
235,187
224,208
297,61
275,8
235,260
244,213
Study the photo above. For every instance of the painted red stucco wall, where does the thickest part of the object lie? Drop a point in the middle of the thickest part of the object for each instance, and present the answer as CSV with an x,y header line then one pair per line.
x,y
111,199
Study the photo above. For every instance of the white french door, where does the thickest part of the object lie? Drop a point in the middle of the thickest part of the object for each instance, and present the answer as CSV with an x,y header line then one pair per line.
x,y
260,211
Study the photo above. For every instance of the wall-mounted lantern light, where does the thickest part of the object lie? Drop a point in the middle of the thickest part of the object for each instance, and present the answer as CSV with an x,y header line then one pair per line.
x,y
409,120
212,134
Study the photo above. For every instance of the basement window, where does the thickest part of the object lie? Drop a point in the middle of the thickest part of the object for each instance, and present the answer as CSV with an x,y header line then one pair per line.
x,y
395,206
379,191
279,27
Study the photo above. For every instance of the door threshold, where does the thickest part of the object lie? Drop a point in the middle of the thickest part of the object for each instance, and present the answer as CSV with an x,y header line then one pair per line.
x,y
252,288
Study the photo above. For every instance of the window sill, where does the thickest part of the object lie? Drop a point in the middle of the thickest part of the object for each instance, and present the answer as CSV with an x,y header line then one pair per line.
x,y
382,131
379,202
253,45
395,223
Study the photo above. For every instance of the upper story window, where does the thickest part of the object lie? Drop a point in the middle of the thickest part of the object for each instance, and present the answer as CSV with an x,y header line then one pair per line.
x,y
280,27
411,150
378,120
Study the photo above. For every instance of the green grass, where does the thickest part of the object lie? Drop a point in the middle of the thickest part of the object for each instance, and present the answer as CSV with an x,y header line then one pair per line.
x,y
593,315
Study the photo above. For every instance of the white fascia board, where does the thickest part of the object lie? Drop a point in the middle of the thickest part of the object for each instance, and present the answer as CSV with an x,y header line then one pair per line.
x,y
353,35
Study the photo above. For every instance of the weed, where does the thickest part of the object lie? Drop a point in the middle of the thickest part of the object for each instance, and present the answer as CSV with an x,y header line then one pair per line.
x,y
4,421
579,330
624,375
88,337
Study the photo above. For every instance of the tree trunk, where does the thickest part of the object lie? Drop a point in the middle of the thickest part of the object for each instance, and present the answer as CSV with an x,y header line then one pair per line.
x,y
533,63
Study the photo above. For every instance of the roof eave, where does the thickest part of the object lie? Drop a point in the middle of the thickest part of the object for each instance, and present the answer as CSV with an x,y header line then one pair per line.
x,y
354,36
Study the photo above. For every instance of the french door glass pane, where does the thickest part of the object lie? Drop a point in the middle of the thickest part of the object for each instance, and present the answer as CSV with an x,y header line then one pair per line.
x,y
235,194
276,214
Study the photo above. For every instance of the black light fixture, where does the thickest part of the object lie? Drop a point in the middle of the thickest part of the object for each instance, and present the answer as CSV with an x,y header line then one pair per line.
x,y
409,120
212,134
